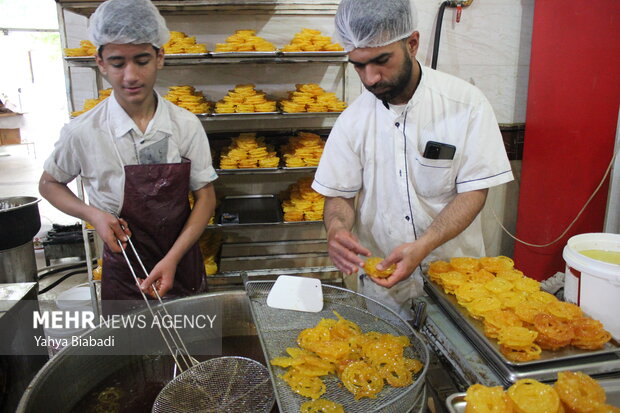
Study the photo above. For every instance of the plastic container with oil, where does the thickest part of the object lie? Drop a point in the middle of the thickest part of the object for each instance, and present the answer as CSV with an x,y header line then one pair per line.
x,y
591,283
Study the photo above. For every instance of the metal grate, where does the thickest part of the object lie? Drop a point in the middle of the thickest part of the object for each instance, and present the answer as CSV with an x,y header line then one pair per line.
x,y
278,329
225,384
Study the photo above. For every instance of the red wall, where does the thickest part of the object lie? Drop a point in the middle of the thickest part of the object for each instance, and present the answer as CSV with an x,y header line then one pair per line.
x,y
572,112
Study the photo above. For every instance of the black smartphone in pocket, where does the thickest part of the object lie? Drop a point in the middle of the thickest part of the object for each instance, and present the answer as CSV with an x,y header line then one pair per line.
x,y
438,150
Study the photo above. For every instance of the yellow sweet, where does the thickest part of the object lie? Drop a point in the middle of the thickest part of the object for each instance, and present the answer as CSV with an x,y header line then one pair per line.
x,y
248,151
301,202
303,150
180,43
364,362
308,40
86,49
245,41
188,98
245,99
91,103
321,406
311,97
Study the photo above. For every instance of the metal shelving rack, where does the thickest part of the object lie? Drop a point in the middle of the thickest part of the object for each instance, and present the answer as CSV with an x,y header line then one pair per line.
x,y
255,237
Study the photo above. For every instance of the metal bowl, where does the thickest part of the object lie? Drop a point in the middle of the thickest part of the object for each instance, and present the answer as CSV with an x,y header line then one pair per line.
x,y
19,220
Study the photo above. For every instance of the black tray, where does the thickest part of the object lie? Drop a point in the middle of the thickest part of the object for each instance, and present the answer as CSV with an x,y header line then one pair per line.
x,y
249,210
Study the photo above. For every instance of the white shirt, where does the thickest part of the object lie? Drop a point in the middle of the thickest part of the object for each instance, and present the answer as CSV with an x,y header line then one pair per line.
x,y
87,147
375,153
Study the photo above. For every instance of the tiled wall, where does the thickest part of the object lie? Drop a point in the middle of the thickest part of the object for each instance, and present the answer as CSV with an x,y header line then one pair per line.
x,y
490,48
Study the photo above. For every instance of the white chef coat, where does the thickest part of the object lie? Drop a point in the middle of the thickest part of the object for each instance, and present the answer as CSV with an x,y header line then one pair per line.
x,y
86,148
375,153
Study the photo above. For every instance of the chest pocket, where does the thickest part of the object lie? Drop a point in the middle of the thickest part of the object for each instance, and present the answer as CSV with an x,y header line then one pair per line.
x,y
156,153
433,177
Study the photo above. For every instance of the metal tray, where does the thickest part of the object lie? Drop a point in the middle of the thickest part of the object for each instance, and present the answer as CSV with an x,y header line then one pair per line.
x,y
186,55
314,54
250,210
299,168
475,331
243,54
456,402
310,114
79,58
278,329
234,171
241,114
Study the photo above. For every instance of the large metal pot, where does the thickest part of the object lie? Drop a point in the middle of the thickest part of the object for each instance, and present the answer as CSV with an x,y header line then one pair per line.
x,y
71,375
67,380
19,219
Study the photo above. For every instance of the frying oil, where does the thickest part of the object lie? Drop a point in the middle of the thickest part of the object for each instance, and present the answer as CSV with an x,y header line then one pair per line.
x,y
612,257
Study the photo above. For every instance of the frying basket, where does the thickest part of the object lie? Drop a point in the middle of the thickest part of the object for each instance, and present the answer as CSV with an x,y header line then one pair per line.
x,y
278,329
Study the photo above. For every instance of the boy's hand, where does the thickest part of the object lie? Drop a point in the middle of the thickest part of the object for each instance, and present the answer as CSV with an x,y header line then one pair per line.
x,y
111,229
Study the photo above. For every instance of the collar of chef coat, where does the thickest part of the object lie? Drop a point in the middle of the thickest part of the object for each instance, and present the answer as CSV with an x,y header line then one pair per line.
x,y
121,123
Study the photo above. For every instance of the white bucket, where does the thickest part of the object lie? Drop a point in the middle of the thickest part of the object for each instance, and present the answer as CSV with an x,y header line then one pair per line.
x,y
74,299
592,284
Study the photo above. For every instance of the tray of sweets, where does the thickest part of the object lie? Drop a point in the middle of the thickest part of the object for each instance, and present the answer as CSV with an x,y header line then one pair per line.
x,y
474,330
456,402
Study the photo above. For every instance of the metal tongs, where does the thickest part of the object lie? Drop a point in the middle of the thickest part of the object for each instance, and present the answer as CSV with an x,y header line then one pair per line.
x,y
182,359
228,383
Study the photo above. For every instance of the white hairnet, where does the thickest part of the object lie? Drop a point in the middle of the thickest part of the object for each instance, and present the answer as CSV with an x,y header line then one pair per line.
x,y
127,21
372,23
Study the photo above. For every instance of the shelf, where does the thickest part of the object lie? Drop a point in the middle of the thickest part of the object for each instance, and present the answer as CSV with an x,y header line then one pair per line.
x,y
231,58
254,171
260,7
281,224
265,116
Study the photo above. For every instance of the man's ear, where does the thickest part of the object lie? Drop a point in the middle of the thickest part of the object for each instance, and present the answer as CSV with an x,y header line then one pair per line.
x,y
413,43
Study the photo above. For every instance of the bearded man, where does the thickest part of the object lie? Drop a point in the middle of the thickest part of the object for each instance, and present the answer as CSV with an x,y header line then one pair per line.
x,y
407,166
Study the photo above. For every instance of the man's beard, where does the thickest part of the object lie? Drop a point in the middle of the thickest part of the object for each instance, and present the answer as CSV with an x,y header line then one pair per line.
x,y
394,88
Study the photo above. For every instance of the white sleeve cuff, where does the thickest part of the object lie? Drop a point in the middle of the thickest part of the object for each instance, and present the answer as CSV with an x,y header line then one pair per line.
x,y
486,182
333,192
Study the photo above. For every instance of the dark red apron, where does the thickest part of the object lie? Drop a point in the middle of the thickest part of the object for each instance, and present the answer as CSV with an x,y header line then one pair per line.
x,y
156,207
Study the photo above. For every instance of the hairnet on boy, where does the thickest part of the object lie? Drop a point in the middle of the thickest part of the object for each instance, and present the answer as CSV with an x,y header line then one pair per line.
x,y
127,21
369,23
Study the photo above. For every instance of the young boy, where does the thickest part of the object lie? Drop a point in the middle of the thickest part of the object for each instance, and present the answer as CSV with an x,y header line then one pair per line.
x,y
138,156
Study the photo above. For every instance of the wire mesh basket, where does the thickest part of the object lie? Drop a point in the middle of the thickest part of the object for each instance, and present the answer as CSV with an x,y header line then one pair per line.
x,y
278,329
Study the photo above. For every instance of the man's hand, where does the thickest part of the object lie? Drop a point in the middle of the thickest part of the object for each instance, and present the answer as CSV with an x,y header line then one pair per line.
x,y
161,278
110,229
406,257
344,248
